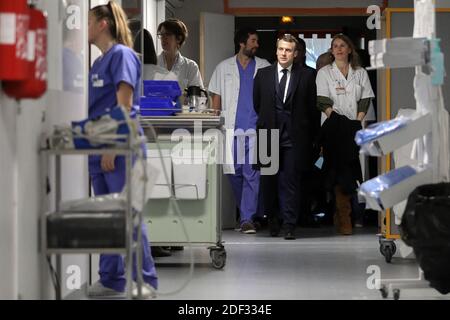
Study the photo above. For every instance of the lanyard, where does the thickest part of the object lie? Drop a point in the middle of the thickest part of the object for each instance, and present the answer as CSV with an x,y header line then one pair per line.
x,y
340,84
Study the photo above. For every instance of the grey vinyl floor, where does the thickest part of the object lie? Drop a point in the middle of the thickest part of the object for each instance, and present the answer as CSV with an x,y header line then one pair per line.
x,y
318,265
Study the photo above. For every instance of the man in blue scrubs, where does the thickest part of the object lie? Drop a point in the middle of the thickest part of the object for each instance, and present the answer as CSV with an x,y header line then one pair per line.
x,y
114,80
232,88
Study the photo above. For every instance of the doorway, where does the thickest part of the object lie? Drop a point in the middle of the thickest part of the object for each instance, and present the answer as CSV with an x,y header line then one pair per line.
x,y
318,31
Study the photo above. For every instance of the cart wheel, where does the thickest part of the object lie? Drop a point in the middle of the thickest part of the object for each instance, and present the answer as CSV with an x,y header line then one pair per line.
x,y
388,249
394,248
382,249
396,293
384,292
388,254
219,258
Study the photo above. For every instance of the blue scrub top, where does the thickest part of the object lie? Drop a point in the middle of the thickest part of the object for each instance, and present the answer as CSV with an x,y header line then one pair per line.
x,y
246,116
119,64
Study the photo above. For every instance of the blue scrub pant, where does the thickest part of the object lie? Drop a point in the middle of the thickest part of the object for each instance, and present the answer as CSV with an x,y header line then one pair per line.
x,y
245,185
112,266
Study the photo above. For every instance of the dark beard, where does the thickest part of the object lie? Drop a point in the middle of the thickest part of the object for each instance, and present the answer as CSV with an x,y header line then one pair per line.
x,y
249,53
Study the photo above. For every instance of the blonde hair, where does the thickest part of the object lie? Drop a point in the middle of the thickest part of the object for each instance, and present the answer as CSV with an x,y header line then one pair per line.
x,y
117,21
353,58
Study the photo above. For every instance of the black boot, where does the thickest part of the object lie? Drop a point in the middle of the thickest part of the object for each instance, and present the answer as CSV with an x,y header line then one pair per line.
x,y
158,252
274,226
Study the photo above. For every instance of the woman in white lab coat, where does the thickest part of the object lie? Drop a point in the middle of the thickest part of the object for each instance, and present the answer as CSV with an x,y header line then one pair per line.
x,y
344,95
173,34
151,70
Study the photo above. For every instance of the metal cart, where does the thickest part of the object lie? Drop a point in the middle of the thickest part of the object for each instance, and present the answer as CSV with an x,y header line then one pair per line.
x,y
129,218
387,238
428,83
201,217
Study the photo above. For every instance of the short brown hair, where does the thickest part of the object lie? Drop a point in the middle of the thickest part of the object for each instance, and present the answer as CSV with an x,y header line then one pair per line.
x,y
289,38
323,60
177,27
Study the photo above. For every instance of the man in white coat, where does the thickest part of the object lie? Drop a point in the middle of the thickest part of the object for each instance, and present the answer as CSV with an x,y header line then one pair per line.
x,y
231,87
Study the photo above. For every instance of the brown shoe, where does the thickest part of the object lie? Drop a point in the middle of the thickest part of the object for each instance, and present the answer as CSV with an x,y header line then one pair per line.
x,y
343,212
248,228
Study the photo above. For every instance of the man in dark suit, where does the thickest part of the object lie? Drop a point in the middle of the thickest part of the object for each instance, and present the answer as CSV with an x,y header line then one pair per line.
x,y
285,100
308,177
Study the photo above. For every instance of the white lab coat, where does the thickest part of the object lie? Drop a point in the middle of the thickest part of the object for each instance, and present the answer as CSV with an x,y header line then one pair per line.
x,y
225,82
186,70
357,86
154,72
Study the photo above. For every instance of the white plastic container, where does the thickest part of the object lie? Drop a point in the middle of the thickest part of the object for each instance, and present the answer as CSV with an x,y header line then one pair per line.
x,y
189,177
161,189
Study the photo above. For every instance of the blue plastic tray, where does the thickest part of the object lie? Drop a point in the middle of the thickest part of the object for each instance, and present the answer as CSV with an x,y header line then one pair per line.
x,y
155,88
155,106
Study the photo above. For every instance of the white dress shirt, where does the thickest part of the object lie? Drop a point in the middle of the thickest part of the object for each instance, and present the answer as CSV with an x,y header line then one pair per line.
x,y
280,75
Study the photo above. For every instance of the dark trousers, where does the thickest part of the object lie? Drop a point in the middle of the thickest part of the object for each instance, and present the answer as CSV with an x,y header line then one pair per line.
x,y
282,186
304,195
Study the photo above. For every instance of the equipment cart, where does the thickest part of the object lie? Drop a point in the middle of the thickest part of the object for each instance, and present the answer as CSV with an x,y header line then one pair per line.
x,y
427,127
64,231
195,187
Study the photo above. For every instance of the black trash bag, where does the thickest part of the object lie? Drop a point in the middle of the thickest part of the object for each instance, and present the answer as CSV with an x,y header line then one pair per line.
x,y
426,228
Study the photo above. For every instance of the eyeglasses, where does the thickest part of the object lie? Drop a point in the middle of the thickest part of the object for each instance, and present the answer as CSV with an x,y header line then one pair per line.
x,y
164,35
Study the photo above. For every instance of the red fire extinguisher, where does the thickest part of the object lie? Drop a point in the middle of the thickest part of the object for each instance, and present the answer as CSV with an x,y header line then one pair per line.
x,y
14,24
36,83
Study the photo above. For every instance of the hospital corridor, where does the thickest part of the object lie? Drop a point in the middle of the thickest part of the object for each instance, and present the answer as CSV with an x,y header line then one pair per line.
x,y
224,158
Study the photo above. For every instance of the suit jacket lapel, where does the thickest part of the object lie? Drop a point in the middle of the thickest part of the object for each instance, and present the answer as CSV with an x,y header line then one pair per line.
x,y
295,77
276,88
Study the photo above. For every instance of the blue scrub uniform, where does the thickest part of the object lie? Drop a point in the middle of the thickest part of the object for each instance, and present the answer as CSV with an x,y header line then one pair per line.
x,y
119,64
245,181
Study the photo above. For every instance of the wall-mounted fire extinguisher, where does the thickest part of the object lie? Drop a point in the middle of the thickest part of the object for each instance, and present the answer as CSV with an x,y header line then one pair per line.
x,y
14,24
36,83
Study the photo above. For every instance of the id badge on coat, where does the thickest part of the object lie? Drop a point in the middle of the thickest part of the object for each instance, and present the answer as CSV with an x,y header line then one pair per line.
x,y
340,91
96,82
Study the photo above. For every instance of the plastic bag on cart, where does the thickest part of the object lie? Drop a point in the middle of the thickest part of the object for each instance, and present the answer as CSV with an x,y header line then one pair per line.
x,y
117,201
107,203
374,187
426,227
109,129
379,129
404,156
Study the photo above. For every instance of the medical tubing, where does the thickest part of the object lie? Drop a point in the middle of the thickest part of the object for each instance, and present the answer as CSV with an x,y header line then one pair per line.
x,y
139,255
139,160
53,275
178,213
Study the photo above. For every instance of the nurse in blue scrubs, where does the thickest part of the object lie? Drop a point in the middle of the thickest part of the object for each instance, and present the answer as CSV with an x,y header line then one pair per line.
x,y
114,80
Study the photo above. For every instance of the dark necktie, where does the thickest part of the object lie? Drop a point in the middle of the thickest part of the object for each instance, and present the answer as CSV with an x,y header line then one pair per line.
x,y
283,83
